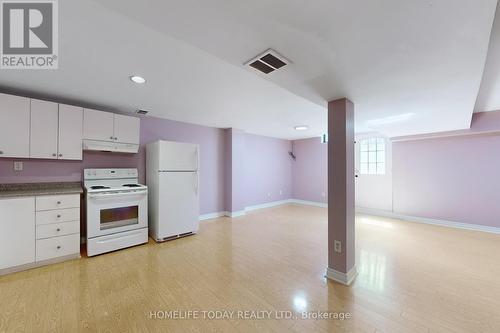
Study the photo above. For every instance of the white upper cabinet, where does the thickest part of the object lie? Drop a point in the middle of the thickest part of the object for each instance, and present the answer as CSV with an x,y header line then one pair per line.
x,y
98,125
32,128
105,126
14,126
70,132
56,131
127,129
44,128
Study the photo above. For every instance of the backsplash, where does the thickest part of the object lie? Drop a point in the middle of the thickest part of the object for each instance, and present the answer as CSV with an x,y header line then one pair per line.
x,y
63,171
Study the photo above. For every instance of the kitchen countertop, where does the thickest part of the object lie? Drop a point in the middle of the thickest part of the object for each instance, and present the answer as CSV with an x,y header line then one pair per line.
x,y
35,189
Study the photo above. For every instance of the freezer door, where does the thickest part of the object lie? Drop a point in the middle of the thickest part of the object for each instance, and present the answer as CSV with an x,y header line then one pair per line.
x,y
178,203
178,156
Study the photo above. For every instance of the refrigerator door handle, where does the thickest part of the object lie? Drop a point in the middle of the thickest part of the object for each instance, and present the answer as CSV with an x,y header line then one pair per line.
x,y
197,158
196,182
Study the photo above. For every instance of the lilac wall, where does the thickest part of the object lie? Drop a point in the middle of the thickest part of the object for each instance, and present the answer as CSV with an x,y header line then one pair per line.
x,y
309,170
212,150
265,168
268,170
453,179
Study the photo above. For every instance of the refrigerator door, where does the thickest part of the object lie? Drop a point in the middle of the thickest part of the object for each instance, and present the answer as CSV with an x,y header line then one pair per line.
x,y
178,156
178,203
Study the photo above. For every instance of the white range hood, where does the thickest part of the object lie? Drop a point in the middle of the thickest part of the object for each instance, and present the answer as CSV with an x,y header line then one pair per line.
x,y
114,147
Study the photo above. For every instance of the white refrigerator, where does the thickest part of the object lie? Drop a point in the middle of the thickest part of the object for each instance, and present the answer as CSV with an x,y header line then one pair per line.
x,y
173,183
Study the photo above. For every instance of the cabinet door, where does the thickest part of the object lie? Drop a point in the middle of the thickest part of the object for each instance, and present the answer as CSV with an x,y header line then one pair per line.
x,y
127,129
44,124
97,125
17,232
70,132
14,126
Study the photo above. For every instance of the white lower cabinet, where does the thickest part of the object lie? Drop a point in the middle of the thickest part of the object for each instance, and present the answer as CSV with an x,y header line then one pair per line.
x,y
54,247
57,226
57,216
34,230
17,232
57,229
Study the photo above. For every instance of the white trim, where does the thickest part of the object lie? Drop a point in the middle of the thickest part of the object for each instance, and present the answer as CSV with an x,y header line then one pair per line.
x,y
341,277
210,216
309,203
450,134
37,264
247,209
416,219
268,205
437,222
235,214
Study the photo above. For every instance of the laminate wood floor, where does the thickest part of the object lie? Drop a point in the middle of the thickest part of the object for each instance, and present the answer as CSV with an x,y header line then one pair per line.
x,y
412,278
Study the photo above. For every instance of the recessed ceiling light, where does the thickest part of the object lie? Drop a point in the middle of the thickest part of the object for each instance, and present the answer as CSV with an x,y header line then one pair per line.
x,y
137,79
302,128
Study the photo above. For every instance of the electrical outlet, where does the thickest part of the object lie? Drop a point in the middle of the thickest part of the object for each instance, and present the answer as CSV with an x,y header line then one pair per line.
x,y
18,166
337,246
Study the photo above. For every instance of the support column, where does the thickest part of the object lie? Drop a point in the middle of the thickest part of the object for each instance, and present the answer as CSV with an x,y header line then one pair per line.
x,y
235,172
341,246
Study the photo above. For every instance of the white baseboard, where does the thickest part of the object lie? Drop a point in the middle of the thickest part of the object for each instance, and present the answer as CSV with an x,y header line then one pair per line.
x,y
247,209
212,215
24,267
236,213
309,203
268,205
416,219
360,210
341,277
437,222
216,215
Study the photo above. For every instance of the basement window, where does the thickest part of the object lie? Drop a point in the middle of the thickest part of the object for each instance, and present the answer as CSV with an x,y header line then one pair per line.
x,y
372,156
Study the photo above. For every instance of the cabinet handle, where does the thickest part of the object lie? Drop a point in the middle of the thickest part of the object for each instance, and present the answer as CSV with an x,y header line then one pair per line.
x,y
58,216
116,138
111,137
60,155
1,152
58,229
58,247
59,202
54,155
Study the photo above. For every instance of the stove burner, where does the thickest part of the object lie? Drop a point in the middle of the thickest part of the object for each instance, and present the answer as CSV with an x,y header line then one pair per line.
x,y
99,187
131,185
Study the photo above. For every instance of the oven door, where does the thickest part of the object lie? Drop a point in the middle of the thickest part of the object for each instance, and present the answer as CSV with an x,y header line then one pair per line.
x,y
110,213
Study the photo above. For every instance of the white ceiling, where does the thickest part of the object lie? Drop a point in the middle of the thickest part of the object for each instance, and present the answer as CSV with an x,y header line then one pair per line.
x,y
409,66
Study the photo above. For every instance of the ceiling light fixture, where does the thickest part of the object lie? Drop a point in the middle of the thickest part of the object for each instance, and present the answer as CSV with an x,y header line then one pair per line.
x,y
301,128
137,79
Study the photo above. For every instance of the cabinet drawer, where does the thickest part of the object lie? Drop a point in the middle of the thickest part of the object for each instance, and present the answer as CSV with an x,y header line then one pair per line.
x,y
57,202
57,247
57,229
58,216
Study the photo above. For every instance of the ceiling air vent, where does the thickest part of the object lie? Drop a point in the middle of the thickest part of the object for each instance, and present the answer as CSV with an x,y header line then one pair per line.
x,y
267,62
142,112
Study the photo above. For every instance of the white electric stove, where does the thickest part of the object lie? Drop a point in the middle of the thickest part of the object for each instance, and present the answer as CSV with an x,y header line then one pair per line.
x,y
116,208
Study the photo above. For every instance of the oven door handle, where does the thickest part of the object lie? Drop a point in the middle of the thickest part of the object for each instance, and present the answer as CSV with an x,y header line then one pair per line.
x,y
109,195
